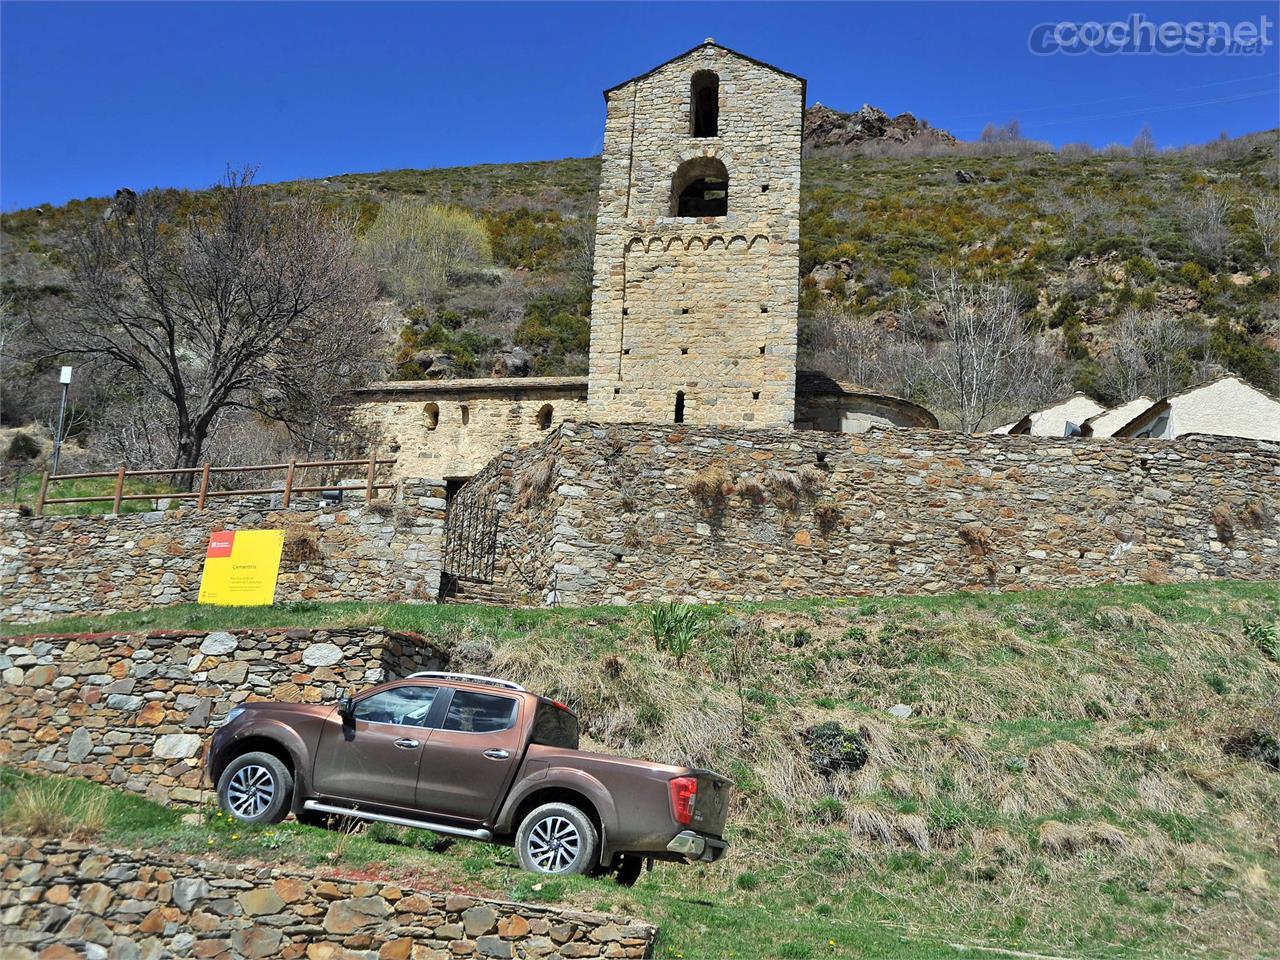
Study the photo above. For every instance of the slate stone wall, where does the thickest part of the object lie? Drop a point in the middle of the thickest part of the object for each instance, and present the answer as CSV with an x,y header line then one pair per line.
x,y
135,710
649,512
60,565
79,900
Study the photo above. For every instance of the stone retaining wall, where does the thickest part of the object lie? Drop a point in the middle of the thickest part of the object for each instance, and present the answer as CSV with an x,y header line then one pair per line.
x,y
59,565
135,710
784,514
77,900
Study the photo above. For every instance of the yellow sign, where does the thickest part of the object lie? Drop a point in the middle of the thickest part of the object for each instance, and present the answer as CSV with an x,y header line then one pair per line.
x,y
240,568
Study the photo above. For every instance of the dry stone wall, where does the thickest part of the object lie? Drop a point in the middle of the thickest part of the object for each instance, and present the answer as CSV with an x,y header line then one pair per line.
x,y
78,900
135,710
704,306
59,565
648,512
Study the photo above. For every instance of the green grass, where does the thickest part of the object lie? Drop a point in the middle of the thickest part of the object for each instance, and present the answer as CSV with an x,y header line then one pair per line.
x,y
28,490
1060,787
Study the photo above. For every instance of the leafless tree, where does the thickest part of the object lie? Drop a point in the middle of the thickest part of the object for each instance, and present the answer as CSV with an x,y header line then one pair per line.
x,y
242,305
1205,221
852,348
1144,144
580,257
1266,220
1150,356
985,359
11,324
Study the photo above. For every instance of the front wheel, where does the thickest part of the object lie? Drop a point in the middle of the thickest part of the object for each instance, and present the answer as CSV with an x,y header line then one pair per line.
x,y
256,788
557,838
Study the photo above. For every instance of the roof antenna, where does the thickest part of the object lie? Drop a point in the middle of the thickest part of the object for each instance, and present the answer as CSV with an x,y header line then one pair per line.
x,y
709,40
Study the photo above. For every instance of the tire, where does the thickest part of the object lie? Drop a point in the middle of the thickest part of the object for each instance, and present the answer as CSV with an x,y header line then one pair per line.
x,y
256,788
557,838
629,869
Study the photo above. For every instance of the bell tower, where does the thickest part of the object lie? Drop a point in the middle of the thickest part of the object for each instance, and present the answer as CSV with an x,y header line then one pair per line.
x,y
693,310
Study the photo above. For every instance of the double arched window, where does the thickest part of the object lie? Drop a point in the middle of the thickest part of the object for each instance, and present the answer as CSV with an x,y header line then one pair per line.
x,y
700,188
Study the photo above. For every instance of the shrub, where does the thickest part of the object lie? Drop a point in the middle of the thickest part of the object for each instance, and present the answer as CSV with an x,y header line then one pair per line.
x,y
1258,514
811,479
22,447
418,249
977,538
833,748
301,546
784,489
710,486
1223,522
828,514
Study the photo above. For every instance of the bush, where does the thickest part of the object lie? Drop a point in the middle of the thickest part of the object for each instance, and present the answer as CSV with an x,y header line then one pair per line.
x,y
1263,635
54,808
710,486
833,748
418,249
22,447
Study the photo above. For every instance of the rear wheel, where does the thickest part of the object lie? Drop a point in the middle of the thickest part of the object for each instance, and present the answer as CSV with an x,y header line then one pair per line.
x,y
557,838
256,788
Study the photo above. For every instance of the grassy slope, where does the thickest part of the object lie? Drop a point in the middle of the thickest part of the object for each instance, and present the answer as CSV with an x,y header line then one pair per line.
x,y
895,217
1060,787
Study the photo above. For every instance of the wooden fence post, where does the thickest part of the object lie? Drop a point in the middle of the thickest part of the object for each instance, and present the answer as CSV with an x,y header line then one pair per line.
x,y
288,481
44,488
373,467
204,487
115,506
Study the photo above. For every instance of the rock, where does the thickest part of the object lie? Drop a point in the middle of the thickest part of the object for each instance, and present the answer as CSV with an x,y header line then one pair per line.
x,y
177,746
219,644
347,916
126,704
257,941
396,949
264,900
479,920
513,927
494,947
79,745
322,655
456,903
825,128
511,363
900,710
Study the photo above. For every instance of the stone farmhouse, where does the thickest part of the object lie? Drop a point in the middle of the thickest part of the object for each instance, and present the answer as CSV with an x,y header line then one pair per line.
x,y
695,297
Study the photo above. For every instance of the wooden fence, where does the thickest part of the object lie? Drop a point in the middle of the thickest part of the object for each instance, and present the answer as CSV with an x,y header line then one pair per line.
x,y
206,472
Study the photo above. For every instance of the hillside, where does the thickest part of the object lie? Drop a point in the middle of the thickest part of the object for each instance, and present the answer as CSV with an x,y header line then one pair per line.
x,y
1084,236
1079,773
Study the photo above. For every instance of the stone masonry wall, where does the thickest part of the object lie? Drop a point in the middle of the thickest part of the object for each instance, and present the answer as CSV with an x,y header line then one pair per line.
x,y
782,514
78,900
135,710
452,428
59,565
702,305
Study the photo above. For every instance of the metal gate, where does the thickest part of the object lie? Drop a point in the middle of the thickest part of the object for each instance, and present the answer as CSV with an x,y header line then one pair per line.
x,y
471,537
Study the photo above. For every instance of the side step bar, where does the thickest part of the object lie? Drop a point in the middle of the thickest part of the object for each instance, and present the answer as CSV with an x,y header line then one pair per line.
x,y
398,821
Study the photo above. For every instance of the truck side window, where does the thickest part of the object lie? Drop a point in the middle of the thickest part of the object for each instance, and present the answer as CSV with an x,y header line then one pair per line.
x,y
554,727
407,706
479,713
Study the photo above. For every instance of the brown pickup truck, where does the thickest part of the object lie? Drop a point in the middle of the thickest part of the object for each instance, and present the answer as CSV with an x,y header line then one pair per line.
x,y
467,756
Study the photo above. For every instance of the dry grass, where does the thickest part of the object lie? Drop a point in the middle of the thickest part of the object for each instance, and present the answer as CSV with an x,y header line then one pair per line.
x,y
534,482
710,486
54,808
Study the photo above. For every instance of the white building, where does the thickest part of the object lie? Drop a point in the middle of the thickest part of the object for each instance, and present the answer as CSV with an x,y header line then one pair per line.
x,y
1226,407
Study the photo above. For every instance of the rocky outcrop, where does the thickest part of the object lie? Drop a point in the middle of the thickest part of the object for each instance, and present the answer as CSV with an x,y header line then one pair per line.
x,y
825,128
62,899
134,710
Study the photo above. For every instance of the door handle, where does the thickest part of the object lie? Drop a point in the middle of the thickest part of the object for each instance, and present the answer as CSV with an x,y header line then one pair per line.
x,y
496,754
407,743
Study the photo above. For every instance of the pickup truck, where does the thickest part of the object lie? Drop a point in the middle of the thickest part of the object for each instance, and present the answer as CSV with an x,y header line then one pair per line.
x,y
467,756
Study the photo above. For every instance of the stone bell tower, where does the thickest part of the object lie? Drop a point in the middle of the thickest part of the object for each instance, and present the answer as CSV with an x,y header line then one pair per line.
x,y
693,313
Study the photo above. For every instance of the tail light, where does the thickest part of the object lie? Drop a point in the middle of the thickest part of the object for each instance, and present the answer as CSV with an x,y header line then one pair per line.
x,y
684,791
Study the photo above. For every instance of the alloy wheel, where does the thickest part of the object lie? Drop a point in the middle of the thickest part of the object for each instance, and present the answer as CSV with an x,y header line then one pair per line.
x,y
250,791
553,844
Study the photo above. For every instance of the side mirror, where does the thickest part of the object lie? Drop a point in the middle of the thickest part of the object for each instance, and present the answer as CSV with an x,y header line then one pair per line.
x,y
345,710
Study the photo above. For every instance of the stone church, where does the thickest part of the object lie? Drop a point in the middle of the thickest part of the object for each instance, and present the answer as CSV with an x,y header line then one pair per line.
x,y
696,290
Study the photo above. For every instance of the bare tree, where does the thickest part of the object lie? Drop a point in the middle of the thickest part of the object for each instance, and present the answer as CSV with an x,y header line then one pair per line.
x,y
985,359
850,347
11,324
1150,356
1144,144
1206,224
243,305
1266,220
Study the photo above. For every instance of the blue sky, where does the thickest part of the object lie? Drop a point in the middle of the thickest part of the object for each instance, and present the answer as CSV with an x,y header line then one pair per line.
x,y
96,96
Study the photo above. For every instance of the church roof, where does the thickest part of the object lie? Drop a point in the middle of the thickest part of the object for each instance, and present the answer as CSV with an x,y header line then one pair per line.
x,y
710,43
